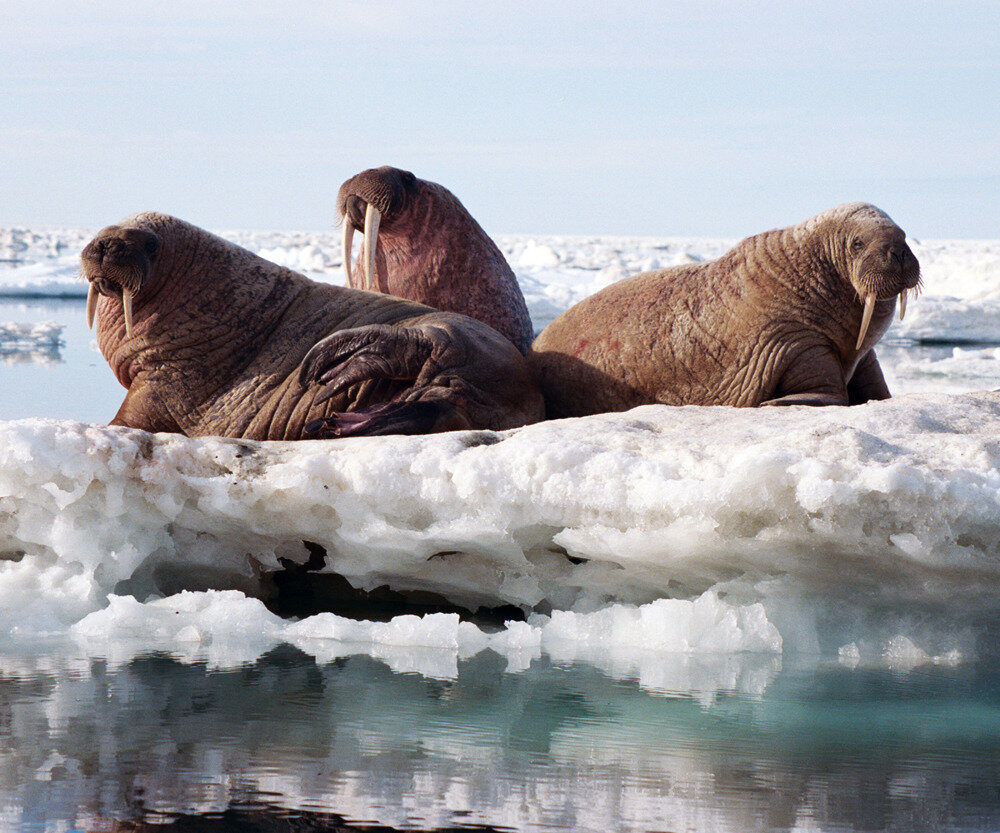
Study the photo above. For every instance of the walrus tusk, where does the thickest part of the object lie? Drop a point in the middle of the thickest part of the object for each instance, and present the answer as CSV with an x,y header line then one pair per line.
x,y
372,220
127,304
348,242
91,306
866,319
902,303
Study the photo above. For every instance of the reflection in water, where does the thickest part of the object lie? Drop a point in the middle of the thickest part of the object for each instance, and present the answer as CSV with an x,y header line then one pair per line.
x,y
30,343
64,379
48,355
554,747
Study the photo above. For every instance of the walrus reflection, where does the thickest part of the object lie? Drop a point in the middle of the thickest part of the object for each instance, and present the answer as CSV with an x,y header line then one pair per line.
x,y
786,317
209,339
421,243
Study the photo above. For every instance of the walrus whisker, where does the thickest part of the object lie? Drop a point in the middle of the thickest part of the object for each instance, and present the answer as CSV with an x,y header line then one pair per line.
x,y
372,220
866,319
348,243
127,304
91,305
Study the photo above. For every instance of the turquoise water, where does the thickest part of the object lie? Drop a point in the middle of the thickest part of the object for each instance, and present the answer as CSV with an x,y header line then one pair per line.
x,y
90,737
552,748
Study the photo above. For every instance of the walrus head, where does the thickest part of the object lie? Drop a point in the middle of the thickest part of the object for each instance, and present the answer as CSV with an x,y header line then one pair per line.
x,y
117,262
872,253
368,201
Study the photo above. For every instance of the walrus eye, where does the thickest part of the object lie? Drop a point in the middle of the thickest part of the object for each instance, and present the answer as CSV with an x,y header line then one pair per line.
x,y
151,246
857,244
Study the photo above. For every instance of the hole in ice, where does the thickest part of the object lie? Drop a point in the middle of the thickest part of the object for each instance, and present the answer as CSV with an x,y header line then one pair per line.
x,y
298,592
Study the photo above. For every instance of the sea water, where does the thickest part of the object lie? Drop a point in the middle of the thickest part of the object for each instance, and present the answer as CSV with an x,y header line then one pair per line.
x,y
700,621
760,745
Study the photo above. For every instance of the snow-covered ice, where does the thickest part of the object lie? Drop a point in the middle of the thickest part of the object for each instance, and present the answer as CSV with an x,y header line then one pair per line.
x,y
707,529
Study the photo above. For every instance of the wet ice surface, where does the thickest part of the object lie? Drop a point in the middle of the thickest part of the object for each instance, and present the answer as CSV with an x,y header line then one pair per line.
x,y
726,620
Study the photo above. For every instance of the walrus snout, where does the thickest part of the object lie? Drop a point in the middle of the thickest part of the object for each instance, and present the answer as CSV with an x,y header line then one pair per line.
x,y
363,201
909,267
116,262
899,260
354,211
386,189
887,268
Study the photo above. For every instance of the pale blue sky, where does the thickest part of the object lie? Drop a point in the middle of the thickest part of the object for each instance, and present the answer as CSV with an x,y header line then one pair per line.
x,y
684,118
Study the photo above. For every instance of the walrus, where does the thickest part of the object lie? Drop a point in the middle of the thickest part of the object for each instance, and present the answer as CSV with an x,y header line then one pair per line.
x,y
210,339
787,317
422,244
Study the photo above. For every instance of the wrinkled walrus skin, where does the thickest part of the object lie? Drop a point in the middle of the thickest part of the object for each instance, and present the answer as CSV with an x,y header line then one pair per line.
x,y
210,339
778,320
422,244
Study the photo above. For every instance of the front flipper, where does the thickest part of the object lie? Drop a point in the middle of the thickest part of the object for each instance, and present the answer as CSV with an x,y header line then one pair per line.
x,y
428,417
813,376
377,351
806,399
143,408
433,401
867,382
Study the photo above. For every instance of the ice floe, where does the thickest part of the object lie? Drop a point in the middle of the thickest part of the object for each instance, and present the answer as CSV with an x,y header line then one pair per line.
x,y
709,530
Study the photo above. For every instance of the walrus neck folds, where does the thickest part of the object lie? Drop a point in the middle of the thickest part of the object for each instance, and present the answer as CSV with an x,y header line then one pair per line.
x,y
179,281
407,253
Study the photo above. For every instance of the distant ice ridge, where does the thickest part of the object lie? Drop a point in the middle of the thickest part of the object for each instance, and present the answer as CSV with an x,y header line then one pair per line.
x,y
703,529
953,370
960,300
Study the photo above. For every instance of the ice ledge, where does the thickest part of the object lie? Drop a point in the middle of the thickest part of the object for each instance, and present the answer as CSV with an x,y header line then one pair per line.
x,y
900,497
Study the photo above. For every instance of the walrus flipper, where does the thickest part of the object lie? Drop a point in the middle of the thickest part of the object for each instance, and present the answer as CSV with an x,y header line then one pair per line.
x,y
867,383
420,417
376,352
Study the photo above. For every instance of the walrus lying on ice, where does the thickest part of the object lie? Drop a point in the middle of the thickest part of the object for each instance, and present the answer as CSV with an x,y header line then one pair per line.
x,y
420,243
787,317
210,339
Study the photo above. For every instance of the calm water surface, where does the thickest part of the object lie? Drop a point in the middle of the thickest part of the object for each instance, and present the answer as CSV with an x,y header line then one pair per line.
x,y
287,742
552,748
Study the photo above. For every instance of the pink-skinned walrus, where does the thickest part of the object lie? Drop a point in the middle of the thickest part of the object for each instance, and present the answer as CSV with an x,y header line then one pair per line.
x,y
210,339
421,243
787,317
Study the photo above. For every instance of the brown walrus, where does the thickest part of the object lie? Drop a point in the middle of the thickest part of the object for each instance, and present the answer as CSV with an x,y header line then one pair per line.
x,y
210,339
421,243
786,317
